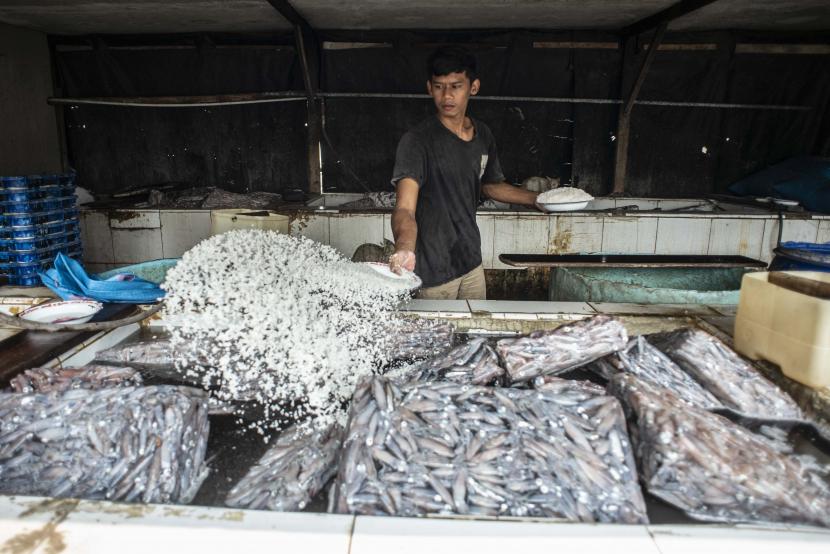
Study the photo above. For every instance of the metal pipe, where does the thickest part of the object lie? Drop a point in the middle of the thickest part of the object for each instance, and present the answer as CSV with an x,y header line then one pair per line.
x,y
269,97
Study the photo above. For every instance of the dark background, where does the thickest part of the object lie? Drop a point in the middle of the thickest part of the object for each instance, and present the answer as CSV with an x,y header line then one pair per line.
x,y
262,147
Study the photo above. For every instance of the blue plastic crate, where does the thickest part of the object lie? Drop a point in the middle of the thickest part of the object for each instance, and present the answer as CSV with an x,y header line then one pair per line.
x,y
68,202
51,204
19,220
13,182
23,269
24,245
57,239
19,194
21,207
34,180
50,179
54,228
53,217
71,213
20,232
26,281
39,257
72,226
51,191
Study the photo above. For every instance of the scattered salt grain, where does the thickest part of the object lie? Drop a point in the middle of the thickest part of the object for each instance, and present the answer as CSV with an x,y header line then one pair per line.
x,y
283,321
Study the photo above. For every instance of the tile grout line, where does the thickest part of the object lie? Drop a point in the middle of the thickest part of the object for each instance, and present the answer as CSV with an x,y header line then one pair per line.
x,y
351,534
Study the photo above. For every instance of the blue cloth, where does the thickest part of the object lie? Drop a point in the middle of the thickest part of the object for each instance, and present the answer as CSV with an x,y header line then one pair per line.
x,y
69,281
804,178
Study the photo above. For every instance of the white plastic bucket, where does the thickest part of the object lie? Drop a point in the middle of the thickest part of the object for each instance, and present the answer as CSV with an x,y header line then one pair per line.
x,y
225,220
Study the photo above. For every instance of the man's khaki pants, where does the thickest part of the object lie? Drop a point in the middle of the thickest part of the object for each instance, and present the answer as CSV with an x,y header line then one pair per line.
x,y
470,286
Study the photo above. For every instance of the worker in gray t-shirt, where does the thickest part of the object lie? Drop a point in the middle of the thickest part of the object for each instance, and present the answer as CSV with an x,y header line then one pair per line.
x,y
442,167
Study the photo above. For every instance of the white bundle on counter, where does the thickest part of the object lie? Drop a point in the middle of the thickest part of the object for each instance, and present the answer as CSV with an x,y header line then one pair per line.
x,y
143,444
560,451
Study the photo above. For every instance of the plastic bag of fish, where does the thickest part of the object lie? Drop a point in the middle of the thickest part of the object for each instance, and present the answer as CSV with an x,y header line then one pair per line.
x,y
560,451
48,379
649,364
731,379
291,472
415,339
562,349
713,469
142,444
474,362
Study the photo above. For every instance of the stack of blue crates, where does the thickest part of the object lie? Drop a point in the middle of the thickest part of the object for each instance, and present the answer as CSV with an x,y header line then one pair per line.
x,y
38,220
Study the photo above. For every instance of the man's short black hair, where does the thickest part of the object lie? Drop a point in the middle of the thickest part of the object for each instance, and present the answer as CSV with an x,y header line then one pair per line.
x,y
452,59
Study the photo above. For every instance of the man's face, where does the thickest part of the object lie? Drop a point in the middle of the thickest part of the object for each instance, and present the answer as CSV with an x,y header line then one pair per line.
x,y
452,92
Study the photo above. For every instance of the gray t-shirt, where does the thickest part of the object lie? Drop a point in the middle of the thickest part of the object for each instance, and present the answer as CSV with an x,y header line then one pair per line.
x,y
449,172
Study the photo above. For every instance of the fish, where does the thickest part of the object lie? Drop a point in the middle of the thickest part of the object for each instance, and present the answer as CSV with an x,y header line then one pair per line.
x,y
713,469
299,465
490,451
87,443
554,352
730,378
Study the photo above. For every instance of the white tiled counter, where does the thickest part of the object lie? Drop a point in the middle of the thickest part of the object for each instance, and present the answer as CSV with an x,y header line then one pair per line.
x,y
114,238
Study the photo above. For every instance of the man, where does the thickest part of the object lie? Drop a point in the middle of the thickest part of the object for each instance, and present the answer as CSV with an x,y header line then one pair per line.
x,y
441,168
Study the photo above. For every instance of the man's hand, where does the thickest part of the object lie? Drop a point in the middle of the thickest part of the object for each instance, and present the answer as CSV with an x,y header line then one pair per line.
x,y
402,259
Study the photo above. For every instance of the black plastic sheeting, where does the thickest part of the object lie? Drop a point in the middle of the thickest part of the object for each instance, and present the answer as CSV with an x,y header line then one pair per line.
x,y
674,151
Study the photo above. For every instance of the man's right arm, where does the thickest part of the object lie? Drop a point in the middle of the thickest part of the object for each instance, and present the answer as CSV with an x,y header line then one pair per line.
x,y
404,226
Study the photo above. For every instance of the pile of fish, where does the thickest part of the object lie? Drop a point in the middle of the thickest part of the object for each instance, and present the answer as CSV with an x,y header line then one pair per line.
x,y
726,375
142,444
562,349
560,451
48,379
713,469
291,472
474,362
415,339
647,363
157,358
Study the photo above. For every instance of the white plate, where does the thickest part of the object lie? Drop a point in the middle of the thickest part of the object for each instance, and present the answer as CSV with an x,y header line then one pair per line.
x,y
70,312
563,206
407,277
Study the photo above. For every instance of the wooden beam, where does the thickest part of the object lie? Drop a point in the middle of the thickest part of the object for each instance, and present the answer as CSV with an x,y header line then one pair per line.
x,y
664,16
308,50
629,97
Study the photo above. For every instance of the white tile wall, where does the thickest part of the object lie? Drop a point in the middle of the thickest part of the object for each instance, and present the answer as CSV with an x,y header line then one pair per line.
x,y
519,235
711,539
575,234
382,535
682,235
96,237
801,230
486,228
181,231
629,235
823,231
135,219
743,237
315,227
347,232
136,245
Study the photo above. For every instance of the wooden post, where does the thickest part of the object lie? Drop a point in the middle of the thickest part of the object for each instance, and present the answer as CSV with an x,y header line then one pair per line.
x,y
628,99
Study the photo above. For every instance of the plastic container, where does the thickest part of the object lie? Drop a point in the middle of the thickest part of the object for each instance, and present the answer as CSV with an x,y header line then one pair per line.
x,y
646,285
226,220
19,194
787,328
21,207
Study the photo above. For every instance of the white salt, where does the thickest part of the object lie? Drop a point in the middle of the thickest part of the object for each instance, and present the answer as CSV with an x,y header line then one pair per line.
x,y
563,195
283,320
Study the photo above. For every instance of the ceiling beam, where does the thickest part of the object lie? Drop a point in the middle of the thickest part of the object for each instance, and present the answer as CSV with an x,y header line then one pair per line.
x,y
664,16
288,12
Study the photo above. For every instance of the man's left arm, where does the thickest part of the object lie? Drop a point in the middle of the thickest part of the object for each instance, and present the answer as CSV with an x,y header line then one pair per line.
x,y
509,194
